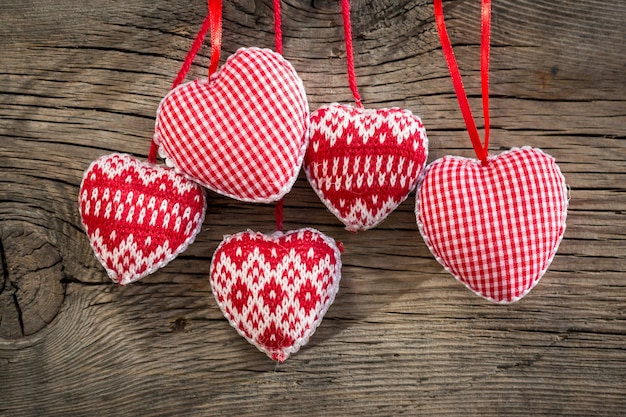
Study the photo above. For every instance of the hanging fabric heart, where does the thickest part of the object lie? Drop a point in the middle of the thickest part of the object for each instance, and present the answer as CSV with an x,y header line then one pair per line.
x,y
241,133
363,163
494,223
274,290
139,216
495,227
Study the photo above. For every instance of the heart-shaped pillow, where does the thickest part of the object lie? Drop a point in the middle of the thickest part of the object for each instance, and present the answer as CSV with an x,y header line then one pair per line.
x,y
495,226
243,132
275,289
138,216
363,163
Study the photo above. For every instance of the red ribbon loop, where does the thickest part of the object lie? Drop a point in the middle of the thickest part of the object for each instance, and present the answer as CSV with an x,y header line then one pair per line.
x,y
485,32
278,32
215,16
347,33
213,21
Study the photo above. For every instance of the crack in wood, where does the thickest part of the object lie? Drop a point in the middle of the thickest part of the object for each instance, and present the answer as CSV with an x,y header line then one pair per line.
x,y
4,271
20,315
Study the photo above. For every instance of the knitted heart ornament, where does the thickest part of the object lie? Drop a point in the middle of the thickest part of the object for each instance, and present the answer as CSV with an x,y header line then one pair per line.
x,y
275,289
496,226
364,163
241,133
138,216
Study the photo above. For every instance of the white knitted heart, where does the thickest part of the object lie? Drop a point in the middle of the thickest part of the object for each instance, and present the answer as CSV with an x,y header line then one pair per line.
x,y
138,216
363,163
275,289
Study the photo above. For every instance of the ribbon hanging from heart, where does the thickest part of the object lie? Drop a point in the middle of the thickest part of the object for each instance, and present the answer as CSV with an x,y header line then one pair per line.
x,y
363,163
139,216
274,289
495,223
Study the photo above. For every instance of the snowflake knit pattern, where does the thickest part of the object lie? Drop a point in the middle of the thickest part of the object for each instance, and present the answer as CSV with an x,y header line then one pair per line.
x,y
496,226
138,216
274,290
241,133
363,163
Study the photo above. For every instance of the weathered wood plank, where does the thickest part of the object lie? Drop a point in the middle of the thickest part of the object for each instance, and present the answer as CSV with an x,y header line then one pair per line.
x,y
79,79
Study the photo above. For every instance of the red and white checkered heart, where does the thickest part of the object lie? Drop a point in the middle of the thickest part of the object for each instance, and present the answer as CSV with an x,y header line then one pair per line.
x,y
363,163
275,289
496,226
138,216
243,132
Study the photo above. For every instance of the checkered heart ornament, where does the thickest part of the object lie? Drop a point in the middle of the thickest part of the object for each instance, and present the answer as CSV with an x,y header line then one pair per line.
x,y
241,133
138,215
495,222
274,289
363,163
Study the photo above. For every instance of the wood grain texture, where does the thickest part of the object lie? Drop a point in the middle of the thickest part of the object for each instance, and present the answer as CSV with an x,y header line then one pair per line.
x,y
79,79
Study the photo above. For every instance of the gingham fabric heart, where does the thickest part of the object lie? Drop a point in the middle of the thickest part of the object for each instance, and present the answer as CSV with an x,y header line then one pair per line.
x,y
495,227
138,216
243,132
363,163
274,290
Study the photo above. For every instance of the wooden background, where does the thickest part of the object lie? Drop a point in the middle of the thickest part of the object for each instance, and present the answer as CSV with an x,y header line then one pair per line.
x,y
82,78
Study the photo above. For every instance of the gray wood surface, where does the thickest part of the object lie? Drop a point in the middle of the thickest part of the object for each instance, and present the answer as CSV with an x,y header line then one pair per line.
x,y
82,78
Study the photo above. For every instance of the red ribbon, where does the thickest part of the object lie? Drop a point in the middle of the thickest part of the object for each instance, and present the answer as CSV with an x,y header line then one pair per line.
x,y
215,15
278,32
347,34
485,33
213,20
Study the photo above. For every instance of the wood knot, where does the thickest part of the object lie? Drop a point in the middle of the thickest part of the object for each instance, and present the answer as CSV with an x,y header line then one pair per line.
x,y
180,324
31,274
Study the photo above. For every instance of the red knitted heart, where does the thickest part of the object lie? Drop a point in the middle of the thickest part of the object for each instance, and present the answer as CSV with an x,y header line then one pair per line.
x,y
496,226
138,216
364,163
243,132
274,290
